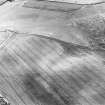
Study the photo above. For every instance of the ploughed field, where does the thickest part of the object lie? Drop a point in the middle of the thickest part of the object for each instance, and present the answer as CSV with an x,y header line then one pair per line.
x,y
52,55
